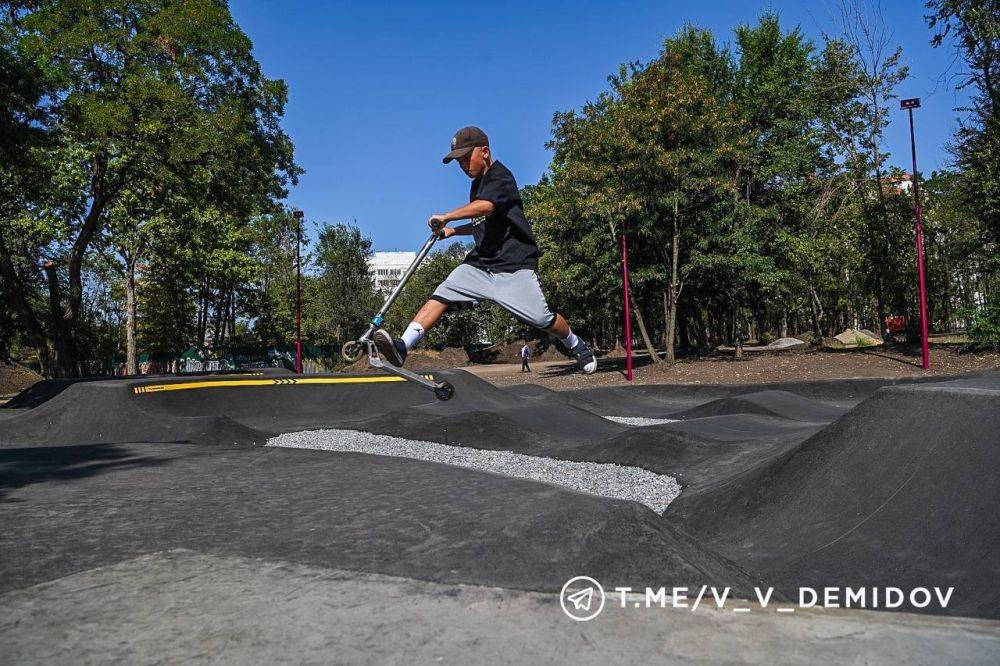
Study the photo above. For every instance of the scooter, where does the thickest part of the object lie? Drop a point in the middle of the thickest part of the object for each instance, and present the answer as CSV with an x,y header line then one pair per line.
x,y
354,350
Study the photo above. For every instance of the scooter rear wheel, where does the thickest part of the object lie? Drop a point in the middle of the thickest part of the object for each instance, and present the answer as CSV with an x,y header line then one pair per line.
x,y
352,351
444,391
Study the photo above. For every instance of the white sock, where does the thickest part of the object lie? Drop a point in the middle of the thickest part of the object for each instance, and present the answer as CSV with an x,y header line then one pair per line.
x,y
411,336
570,340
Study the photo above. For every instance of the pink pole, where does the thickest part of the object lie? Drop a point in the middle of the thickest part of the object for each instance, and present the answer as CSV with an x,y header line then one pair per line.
x,y
628,313
921,272
298,296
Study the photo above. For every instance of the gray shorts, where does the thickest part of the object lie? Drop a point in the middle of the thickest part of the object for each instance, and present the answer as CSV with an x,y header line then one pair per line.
x,y
519,293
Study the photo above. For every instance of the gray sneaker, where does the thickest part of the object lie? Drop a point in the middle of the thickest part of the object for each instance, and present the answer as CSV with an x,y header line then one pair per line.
x,y
585,359
392,349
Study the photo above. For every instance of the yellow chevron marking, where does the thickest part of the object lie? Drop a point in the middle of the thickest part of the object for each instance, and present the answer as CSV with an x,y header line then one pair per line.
x,y
283,381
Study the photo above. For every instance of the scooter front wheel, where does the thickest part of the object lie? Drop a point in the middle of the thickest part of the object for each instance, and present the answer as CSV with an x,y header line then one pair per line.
x,y
352,351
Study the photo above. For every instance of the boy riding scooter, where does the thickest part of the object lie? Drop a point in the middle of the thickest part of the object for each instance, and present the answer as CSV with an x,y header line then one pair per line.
x,y
500,268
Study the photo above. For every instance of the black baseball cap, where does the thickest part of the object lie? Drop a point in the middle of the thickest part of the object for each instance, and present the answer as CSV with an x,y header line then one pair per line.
x,y
464,141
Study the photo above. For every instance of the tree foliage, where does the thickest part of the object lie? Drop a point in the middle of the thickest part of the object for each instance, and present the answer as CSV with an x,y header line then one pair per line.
x,y
754,189
127,113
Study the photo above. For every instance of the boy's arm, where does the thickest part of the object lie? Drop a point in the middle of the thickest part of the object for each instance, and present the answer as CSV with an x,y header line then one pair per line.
x,y
464,230
476,208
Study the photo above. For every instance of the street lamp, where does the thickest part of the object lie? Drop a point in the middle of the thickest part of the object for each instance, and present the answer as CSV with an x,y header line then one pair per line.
x,y
908,105
298,291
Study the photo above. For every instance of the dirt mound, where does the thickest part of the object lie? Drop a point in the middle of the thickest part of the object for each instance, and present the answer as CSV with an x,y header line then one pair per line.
x,y
14,379
554,352
510,352
420,359
852,338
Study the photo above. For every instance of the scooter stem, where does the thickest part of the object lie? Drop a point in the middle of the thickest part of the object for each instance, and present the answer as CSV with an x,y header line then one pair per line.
x,y
379,317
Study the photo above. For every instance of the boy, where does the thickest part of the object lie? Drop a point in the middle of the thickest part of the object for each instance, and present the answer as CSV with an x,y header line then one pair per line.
x,y
500,268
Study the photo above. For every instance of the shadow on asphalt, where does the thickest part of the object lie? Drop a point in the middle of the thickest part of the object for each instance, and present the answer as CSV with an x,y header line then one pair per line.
x,y
26,466
605,365
903,361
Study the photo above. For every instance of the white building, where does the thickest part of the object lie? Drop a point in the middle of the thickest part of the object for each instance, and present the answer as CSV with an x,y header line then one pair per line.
x,y
388,267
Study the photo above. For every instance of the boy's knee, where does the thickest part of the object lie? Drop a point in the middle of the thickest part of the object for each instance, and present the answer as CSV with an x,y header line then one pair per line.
x,y
543,320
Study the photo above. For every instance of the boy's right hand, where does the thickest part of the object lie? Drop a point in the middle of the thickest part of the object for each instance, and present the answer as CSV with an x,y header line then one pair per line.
x,y
437,223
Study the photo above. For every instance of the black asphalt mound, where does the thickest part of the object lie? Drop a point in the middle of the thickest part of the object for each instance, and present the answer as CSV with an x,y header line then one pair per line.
x,y
694,460
111,411
277,408
606,401
901,491
530,391
69,509
45,390
846,391
107,412
782,404
532,429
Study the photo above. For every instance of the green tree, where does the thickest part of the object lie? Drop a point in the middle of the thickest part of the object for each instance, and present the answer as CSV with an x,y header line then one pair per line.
x,y
879,73
972,29
161,99
342,299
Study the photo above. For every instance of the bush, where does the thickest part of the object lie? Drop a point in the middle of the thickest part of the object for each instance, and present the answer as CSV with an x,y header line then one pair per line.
x,y
864,341
984,332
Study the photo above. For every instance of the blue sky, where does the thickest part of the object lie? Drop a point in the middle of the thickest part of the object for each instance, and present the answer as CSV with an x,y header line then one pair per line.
x,y
376,89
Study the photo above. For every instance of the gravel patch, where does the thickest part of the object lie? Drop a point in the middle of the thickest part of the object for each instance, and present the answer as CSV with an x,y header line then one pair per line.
x,y
606,480
638,420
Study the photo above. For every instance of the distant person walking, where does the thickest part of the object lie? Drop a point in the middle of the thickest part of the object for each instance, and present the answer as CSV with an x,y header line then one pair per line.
x,y
525,353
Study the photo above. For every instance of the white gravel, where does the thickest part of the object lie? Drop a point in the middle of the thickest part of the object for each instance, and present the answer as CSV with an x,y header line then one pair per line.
x,y
606,480
638,420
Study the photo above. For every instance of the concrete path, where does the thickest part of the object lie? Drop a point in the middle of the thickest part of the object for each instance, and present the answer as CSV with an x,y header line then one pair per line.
x,y
187,607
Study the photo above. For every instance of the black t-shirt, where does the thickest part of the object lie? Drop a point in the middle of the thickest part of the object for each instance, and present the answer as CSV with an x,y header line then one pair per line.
x,y
504,242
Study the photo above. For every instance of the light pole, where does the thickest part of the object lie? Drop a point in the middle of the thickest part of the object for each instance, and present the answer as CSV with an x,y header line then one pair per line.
x,y
628,314
909,105
298,291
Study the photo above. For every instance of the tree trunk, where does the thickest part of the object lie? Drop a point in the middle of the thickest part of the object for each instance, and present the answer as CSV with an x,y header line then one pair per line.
x,y
883,252
666,317
646,340
675,285
737,337
16,296
817,311
202,312
59,344
131,356
217,319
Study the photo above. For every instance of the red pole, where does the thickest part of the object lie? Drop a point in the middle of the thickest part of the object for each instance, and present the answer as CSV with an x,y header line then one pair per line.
x,y
921,273
298,293
628,314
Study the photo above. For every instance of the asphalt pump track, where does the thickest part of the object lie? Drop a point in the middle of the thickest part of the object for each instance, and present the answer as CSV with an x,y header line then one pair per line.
x,y
853,483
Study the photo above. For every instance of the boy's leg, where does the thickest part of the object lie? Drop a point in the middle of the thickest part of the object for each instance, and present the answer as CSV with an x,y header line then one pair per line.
x,y
429,314
465,286
395,350
521,294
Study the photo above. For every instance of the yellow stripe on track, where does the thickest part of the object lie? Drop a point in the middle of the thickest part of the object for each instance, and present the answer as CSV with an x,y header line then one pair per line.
x,y
281,381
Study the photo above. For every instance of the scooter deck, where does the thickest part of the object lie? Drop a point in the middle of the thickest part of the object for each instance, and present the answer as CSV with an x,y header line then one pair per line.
x,y
442,390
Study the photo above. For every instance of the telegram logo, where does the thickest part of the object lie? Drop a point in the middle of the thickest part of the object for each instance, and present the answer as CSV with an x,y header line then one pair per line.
x,y
582,598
